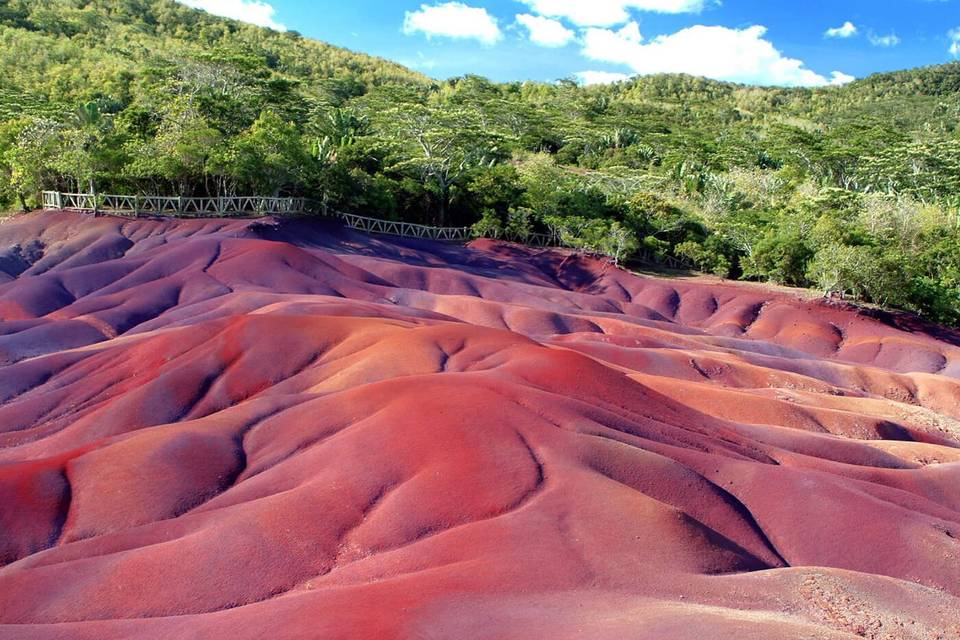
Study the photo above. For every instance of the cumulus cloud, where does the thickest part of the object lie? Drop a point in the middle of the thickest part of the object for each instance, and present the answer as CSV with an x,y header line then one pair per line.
x,y
600,77
954,35
736,55
606,13
253,11
624,46
546,32
838,79
846,30
890,40
453,20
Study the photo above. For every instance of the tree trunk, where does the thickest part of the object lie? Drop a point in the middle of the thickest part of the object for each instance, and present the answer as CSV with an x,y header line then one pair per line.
x,y
444,198
443,211
23,202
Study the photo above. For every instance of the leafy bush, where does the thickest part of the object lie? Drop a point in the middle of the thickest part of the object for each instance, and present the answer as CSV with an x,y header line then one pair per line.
x,y
853,189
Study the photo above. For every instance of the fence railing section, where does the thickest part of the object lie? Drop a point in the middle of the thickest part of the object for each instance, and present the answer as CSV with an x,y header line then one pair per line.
x,y
178,207
221,207
133,206
529,239
405,229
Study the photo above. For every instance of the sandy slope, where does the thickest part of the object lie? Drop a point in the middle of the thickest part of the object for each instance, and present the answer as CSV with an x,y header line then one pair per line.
x,y
242,429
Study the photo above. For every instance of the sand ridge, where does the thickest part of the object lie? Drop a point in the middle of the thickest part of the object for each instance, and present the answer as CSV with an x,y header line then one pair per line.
x,y
239,429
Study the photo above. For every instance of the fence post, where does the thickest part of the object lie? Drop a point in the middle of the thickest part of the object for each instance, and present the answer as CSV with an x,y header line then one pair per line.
x,y
136,206
59,200
180,206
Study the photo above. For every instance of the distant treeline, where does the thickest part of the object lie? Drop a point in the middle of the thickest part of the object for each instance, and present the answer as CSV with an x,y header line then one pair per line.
x,y
853,189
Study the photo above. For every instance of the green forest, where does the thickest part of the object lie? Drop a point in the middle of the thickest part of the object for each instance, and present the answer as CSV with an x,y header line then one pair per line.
x,y
852,189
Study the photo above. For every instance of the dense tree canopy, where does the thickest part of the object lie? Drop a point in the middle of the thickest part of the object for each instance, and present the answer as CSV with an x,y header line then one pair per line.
x,y
853,189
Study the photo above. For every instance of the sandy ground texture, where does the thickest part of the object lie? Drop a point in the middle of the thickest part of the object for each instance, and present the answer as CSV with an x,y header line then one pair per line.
x,y
254,429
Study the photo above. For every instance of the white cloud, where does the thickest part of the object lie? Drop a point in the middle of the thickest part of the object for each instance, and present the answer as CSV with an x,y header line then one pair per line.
x,y
846,30
453,20
623,46
606,13
736,55
253,11
890,40
600,77
545,31
954,35
838,79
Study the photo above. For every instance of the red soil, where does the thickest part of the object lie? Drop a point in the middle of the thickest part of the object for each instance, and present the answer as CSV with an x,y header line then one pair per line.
x,y
237,430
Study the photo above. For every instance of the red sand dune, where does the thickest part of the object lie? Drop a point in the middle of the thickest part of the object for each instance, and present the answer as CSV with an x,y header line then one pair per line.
x,y
236,429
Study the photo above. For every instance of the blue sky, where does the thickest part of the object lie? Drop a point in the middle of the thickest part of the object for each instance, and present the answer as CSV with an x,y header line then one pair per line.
x,y
767,42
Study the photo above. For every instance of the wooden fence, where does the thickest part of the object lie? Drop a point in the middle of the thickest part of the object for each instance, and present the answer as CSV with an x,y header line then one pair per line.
x,y
179,207
242,206
405,229
247,206
529,239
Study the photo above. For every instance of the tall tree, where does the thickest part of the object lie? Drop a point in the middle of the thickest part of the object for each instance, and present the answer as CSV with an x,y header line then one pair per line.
x,y
441,145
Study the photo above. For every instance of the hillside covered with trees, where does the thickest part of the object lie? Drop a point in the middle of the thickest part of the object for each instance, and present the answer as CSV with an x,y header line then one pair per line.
x,y
851,189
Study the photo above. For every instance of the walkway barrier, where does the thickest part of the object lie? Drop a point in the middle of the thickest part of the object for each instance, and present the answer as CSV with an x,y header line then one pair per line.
x,y
257,206
176,207
405,229
241,206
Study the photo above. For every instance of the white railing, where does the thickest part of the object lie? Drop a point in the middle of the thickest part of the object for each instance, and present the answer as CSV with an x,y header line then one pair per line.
x,y
405,229
529,239
178,207
242,206
238,206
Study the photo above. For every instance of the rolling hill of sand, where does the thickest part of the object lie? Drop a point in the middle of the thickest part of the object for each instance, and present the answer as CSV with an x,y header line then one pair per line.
x,y
253,429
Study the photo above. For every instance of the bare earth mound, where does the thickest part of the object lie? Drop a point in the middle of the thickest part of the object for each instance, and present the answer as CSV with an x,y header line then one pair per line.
x,y
236,429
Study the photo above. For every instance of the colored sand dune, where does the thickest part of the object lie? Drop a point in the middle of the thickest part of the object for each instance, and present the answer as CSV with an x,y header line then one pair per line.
x,y
237,429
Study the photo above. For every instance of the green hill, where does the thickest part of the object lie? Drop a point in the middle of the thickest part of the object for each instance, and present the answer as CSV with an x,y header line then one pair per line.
x,y
91,50
852,189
